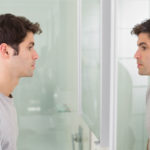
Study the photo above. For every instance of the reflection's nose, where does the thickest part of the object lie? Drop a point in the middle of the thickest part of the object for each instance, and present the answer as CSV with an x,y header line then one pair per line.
x,y
137,54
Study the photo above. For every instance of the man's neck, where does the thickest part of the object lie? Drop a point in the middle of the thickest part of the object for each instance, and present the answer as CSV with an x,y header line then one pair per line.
x,y
7,85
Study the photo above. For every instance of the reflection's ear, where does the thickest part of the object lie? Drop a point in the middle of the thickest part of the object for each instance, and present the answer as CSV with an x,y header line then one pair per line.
x,y
5,50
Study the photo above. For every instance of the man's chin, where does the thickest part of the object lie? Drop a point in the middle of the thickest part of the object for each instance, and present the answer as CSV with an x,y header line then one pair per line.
x,y
28,75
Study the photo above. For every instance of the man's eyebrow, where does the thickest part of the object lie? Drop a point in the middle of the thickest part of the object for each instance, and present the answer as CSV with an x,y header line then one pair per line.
x,y
31,43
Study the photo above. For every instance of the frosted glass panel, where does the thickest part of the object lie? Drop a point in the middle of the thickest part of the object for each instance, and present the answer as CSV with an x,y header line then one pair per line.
x,y
90,49
47,103
131,131
131,110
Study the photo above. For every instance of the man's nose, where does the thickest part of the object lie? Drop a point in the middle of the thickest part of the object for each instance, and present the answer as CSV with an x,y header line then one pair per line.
x,y
35,55
137,54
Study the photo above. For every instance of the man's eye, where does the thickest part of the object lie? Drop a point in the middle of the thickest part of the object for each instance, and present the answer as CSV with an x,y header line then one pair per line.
x,y
30,48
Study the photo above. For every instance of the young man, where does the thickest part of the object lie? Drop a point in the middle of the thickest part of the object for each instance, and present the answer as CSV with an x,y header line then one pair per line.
x,y
142,56
17,59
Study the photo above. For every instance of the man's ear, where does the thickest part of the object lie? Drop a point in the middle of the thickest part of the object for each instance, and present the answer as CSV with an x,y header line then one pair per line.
x,y
4,50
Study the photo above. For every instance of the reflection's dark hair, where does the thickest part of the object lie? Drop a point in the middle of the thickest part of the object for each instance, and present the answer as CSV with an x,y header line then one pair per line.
x,y
144,27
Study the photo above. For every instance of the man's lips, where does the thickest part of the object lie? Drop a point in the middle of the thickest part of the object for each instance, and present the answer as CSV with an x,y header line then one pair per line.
x,y
33,65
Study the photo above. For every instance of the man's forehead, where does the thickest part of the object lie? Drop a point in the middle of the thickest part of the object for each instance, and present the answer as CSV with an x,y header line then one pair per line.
x,y
29,36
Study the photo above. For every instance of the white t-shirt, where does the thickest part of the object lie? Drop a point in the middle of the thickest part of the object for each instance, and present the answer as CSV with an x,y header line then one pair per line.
x,y
8,123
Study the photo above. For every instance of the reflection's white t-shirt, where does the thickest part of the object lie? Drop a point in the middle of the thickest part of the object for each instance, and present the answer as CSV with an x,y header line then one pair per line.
x,y
8,123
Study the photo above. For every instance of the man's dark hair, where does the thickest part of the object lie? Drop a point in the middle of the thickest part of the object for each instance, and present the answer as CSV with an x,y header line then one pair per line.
x,y
144,27
13,30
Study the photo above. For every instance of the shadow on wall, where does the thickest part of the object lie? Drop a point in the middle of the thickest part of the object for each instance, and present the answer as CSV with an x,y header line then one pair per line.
x,y
125,134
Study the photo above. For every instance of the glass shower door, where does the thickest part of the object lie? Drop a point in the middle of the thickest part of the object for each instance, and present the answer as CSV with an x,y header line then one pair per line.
x,y
90,64
47,103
